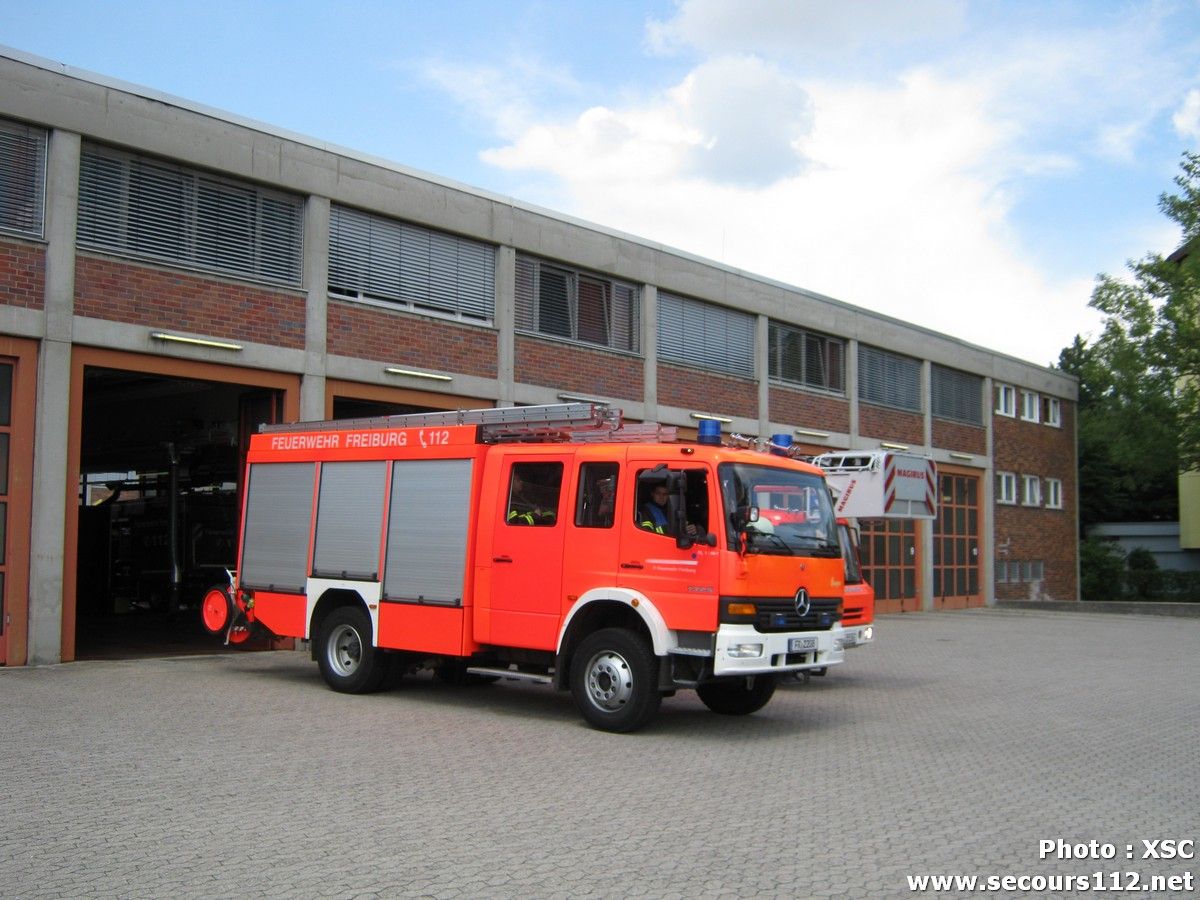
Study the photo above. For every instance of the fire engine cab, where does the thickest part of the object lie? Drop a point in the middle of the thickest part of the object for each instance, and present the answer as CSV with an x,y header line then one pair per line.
x,y
553,544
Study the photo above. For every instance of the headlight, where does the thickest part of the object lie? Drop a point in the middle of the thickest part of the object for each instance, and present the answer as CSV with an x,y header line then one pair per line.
x,y
868,633
744,651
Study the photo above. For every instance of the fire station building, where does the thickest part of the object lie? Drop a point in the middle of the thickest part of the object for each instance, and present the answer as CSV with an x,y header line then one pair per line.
x,y
171,276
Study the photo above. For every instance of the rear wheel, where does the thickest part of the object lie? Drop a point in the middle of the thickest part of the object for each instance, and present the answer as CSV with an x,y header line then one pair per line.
x,y
348,660
738,696
614,680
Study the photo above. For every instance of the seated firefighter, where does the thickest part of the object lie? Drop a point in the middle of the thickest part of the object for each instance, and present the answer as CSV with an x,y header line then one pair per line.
x,y
524,506
655,514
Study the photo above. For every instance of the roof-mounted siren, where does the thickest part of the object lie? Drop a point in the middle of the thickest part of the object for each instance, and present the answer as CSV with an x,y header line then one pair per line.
x,y
781,444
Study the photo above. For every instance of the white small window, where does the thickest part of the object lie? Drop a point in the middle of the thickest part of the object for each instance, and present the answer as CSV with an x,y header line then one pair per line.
x,y
1032,570
1006,400
1053,493
1002,572
1006,487
1029,406
1032,494
1052,411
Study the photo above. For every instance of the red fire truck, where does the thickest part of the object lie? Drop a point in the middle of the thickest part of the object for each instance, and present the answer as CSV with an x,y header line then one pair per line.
x,y
554,544
873,484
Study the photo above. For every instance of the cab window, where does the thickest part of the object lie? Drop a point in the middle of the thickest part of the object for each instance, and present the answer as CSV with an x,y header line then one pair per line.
x,y
595,504
658,503
533,492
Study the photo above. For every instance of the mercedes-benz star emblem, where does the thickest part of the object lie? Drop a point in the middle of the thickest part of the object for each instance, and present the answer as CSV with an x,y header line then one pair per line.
x,y
803,604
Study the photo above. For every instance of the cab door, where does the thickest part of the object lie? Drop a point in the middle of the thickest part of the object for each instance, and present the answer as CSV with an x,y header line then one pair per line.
x,y
527,551
681,583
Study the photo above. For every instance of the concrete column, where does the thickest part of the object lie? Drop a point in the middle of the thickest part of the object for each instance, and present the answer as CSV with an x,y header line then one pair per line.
x,y
852,391
762,373
925,527
505,318
987,500
53,411
650,351
316,324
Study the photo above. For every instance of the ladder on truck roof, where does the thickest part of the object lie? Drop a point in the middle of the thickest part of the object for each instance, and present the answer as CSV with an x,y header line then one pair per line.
x,y
589,422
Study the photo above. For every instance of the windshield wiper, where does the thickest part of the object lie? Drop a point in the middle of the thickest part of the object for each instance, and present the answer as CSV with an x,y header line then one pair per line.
x,y
763,535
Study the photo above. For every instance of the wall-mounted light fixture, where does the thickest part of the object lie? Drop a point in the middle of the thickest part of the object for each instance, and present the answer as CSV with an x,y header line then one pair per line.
x,y
888,445
705,417
808,432
198,342
581,398
966,457
412,373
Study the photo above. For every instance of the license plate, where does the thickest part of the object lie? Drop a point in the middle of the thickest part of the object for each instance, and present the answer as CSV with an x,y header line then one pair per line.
x,y
799,645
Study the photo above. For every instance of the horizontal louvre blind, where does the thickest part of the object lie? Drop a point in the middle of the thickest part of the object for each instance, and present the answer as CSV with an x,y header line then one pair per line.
x,y
702,334
22,178
157,210
278,513
805,358
577,305
383,259
427,531
888,379
350,520
956,395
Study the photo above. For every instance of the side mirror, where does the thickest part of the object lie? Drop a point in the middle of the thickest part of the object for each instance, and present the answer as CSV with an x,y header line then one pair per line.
x,y
743,516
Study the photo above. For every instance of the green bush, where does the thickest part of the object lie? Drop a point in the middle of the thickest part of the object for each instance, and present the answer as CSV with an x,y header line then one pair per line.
x,y
1101,567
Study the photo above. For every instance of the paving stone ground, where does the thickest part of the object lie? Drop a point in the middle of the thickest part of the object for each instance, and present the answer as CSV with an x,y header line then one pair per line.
x,y
951,746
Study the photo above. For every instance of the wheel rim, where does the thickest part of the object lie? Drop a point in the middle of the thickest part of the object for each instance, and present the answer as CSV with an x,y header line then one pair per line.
x,y
609,681
214,610
344,650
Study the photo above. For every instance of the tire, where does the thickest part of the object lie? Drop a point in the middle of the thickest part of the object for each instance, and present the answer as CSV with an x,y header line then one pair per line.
x,y
348,660
614,680
738,696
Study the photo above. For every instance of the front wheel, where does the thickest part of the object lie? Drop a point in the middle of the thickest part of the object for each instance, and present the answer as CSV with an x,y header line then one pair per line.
x,y
738,696
348,660
614,680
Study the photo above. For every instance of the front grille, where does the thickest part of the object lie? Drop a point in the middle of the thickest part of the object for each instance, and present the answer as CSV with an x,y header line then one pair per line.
x,y
852,615
780,615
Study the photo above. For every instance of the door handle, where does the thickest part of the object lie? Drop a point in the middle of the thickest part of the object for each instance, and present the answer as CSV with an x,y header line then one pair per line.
x,y
505,559
632,565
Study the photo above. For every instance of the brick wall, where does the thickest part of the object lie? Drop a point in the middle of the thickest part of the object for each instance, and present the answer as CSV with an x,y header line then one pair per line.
x,y
558,365
707,392
957,436
22,275
406,339
125,292
1037,533
802,409
885,424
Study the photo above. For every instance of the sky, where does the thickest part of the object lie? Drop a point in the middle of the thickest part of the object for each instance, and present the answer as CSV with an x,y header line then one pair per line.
x,y
969,166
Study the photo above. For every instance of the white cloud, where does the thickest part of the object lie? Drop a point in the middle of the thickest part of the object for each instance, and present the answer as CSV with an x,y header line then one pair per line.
x,y
790,28
1187,118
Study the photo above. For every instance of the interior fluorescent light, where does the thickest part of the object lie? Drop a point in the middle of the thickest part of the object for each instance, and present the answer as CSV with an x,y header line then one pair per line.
x,y
199,342
708,418
888,445
806,432
432,376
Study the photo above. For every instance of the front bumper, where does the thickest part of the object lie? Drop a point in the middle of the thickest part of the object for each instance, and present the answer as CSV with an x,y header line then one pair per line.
x,y
857,635
735,652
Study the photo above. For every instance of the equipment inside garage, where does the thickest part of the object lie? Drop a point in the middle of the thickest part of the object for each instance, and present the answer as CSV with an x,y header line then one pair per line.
x,y
159,493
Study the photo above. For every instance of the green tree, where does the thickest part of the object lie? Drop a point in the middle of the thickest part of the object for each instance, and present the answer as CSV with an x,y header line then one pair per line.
x,y
1139,381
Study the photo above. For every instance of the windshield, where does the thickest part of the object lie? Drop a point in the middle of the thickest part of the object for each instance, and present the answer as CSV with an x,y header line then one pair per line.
x,y
795,512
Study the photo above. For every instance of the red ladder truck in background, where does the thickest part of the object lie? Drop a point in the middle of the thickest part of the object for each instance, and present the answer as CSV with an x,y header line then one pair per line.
x,y
873,484
519,543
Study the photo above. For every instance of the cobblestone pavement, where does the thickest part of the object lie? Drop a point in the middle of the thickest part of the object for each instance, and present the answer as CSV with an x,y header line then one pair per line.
x,y
951,746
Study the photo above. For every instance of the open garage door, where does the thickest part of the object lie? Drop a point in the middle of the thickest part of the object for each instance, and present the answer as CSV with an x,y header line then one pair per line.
x,y
161,457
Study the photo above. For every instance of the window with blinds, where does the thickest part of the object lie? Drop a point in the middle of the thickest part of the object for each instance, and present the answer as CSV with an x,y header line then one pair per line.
x,y
955,395
22,178
702,334
154,209
807,359
888,379
575,305
376,258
